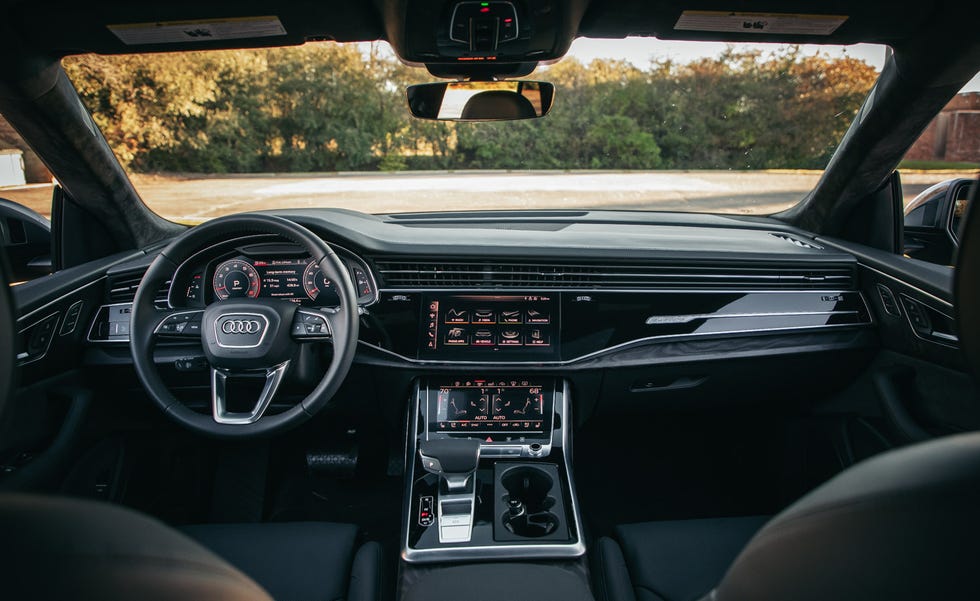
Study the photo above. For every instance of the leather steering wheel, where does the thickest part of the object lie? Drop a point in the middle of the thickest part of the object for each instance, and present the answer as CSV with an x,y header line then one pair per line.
x,y
246,338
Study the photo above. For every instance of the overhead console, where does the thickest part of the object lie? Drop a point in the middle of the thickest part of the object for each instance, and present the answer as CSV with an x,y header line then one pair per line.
x,y
474,33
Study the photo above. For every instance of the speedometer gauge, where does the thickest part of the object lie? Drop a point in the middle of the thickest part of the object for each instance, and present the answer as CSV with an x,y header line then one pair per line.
x,y
236,279
314,281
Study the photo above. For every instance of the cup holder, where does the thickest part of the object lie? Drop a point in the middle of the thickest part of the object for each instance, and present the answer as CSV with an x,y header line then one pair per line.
x,y
528,502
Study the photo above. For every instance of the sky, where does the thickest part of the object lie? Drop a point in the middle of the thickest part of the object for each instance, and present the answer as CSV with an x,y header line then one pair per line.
x,y
640,51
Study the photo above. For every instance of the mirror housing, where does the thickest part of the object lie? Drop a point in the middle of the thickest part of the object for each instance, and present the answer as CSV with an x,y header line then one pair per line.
x,y
932,221
481,100
26,237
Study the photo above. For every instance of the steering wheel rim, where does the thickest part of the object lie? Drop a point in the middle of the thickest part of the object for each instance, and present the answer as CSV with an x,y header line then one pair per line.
x,y
146,320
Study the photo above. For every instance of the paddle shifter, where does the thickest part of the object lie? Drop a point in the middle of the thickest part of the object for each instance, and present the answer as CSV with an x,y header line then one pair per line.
x,y
454,460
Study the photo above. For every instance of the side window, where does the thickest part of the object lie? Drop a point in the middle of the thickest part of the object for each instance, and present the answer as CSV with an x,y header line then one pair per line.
x,y
937,175
25,205
925,210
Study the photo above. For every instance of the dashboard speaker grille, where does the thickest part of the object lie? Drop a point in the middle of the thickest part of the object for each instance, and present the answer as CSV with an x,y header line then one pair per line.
x,y
401,274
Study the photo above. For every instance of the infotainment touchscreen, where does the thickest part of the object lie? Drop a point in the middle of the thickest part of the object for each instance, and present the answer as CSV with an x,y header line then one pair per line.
x,y
521,406
506,327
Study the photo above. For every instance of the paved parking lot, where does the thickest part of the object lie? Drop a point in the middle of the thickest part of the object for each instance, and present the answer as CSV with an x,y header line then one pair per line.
x,y
195,198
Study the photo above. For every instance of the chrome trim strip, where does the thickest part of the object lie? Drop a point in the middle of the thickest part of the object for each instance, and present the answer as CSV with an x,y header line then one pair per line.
x,y
273,377
60,298
504,550
676,319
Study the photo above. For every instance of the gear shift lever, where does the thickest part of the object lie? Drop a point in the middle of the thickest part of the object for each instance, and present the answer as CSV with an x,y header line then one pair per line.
x,y
455,462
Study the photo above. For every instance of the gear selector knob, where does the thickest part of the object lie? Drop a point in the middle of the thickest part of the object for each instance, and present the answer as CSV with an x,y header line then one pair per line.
x,y
454,460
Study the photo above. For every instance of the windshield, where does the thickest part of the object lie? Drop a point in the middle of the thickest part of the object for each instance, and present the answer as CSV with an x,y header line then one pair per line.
x,y
637,124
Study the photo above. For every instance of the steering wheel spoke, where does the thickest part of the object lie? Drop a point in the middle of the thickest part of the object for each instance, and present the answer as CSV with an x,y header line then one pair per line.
x,y
219,393
179,324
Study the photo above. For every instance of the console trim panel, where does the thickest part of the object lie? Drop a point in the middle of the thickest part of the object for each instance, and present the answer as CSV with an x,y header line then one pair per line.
x,y
504,551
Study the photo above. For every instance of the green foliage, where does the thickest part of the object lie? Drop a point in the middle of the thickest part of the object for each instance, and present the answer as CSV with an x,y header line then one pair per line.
x,y
328,107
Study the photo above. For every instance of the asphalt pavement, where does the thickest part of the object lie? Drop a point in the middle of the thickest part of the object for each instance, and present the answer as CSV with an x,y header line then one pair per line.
x,y
193,198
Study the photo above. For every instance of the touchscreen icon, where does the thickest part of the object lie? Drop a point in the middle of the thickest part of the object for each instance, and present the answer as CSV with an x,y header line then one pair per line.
x,y
483,338
511,317
456,336
535,316
510,338
484,316
457,316
537,337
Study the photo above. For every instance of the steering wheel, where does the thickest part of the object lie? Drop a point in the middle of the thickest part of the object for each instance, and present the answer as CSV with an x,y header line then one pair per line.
x,y
244,339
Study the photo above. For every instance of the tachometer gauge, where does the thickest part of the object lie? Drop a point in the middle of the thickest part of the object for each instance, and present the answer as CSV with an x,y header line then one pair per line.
x,y
314,282
236,279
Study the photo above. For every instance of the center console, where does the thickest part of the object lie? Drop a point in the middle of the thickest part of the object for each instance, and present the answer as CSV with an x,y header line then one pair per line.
x,y
488,469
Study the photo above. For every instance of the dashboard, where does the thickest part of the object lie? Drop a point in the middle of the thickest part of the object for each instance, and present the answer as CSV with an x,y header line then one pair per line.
x,y
455,292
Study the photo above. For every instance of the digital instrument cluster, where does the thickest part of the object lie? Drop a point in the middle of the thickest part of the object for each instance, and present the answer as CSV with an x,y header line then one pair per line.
x,y
291,279
286,274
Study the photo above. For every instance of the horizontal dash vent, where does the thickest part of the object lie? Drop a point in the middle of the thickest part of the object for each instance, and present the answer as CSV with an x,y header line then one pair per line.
x,y
400,274
122,289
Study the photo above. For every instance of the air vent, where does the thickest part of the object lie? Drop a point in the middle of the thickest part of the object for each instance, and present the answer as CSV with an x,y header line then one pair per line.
x,y
797,242
398,274
122,289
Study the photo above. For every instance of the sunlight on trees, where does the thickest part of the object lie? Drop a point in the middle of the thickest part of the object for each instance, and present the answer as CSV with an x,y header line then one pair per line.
x,y
329,107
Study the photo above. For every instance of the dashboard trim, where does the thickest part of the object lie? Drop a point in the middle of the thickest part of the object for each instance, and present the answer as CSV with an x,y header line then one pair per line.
x,y
60,298
619,347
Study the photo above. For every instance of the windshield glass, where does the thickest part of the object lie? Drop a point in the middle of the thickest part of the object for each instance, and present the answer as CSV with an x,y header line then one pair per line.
x,y
637,124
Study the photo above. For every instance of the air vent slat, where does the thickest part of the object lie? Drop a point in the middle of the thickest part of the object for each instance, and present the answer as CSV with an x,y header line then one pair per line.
x,y
402,274
122,289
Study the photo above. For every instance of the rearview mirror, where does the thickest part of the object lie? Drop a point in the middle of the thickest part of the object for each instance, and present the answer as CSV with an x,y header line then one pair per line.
x,y
481,100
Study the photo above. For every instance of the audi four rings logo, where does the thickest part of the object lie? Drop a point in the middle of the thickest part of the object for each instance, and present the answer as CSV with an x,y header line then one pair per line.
x,y
241,326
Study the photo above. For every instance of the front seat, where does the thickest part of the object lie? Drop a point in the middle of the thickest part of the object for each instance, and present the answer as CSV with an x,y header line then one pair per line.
x,y
904,525
60,548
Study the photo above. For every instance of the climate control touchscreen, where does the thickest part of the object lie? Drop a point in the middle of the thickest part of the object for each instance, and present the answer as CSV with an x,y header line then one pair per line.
x,y
491,406
508,326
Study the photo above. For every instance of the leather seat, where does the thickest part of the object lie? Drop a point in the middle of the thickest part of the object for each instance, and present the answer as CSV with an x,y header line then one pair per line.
x,y
315,561
900,526
671,560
